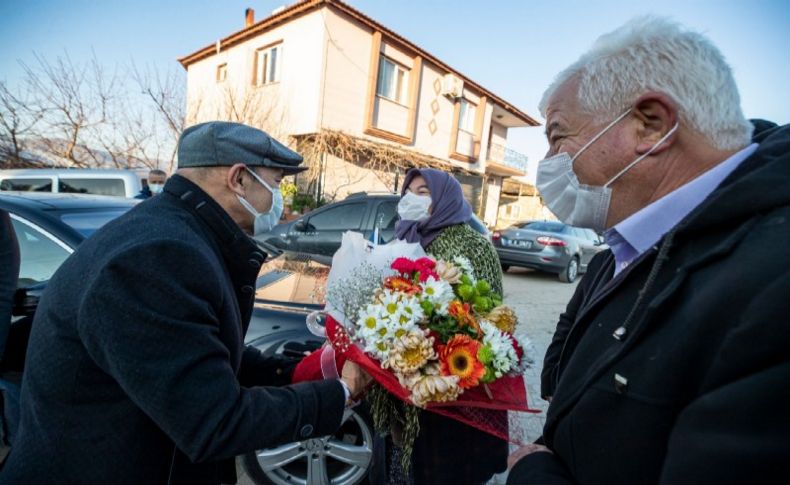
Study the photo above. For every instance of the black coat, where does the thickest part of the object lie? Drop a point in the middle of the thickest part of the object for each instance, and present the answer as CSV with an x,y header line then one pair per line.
x,y
9,273
698,390
137,372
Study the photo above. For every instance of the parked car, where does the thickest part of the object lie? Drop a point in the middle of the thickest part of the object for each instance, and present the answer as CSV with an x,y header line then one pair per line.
x,y
49,228
548,246
118,183
321,231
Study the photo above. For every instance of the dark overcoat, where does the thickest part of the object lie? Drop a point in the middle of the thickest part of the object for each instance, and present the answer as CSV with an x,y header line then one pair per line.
x,y
698,389
137,372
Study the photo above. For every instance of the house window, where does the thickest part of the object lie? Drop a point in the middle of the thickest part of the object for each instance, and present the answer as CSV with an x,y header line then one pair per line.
x,y
393,81
222,72
267,65
466,117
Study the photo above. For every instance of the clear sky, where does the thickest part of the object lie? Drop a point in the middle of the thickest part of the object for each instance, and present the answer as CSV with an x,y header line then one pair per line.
x,y
514,48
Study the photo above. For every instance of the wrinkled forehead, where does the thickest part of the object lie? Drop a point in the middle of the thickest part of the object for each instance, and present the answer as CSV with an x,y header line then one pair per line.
x,y
563,108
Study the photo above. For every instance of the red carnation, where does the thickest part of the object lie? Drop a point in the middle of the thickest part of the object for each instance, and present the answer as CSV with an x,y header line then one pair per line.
x,y
404,266
425,263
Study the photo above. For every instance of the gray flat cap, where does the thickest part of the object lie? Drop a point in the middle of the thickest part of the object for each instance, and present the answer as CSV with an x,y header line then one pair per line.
x,y
218,143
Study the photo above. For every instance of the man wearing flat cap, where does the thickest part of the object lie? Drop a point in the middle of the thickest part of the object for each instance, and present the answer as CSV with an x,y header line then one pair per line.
x,y
136,369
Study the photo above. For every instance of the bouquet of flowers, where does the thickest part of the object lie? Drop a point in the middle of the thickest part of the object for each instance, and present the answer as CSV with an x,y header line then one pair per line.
x,y
431,335
438,330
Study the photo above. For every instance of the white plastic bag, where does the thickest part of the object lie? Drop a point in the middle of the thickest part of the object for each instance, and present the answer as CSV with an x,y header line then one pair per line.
x,y
355,254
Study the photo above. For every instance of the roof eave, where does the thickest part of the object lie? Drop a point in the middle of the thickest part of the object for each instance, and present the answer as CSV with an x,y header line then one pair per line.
x,y
307,6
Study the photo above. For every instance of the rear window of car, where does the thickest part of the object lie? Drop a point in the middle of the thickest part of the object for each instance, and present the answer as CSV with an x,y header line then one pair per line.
x,y
88,222
544,226
114,187
27,185
342,217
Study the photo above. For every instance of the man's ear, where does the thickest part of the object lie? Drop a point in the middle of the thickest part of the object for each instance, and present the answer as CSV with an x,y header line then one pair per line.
x,y
656,114
235,179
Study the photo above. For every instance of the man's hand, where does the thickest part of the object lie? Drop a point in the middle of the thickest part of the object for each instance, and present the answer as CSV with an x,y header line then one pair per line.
x,y
524,451
355,378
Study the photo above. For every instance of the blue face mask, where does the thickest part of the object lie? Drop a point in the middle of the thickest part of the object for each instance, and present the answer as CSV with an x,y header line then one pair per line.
x,y
264,221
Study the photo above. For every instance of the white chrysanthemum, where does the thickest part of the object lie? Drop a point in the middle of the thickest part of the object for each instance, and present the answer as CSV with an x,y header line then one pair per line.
x,y
465,265
390,302
402,327
378,349
405,319
437,291
372,325
369,318
501,344
410,307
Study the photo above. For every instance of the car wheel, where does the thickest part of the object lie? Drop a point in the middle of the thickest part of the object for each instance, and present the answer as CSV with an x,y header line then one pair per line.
x,y
569,274
505,267
343,458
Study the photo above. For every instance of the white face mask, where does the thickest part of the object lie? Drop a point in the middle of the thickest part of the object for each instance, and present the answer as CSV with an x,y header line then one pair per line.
x,y
156,188
575,203
413,207
264,221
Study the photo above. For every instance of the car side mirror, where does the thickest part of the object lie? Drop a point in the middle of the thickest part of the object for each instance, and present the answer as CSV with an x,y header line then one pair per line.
x,y
300,225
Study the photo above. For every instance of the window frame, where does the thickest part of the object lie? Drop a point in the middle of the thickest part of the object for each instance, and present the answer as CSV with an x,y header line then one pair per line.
x,y
399,84
222,72
467,116
262,63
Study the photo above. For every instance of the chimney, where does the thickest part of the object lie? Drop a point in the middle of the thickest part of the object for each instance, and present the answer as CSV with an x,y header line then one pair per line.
x,y
249,17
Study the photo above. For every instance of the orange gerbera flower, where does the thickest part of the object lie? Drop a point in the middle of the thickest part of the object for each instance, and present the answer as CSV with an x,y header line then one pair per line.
x,y
459,358
398,283
462,314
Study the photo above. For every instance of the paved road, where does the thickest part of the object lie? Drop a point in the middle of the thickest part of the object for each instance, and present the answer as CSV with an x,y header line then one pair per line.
x,y
538,299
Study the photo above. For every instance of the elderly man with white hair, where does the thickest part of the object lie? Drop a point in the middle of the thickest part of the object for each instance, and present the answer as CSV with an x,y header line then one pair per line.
x,y
671,363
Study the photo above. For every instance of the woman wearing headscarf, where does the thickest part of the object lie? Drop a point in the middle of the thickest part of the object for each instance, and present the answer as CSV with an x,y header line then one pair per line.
x,y
434,213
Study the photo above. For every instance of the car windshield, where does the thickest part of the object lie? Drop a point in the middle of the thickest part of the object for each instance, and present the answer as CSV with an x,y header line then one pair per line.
x,y
543,226
88,222
293,278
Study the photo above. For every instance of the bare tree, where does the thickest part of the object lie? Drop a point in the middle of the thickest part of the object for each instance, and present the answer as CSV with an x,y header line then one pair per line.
x,y
251,106
74,102
18,117
166,94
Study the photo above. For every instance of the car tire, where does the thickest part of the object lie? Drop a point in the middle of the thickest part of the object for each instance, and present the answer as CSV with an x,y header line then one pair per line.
x,y
346,457
571,271
505,267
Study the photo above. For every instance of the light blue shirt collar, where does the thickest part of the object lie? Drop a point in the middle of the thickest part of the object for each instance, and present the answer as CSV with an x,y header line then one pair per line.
x,y
639,232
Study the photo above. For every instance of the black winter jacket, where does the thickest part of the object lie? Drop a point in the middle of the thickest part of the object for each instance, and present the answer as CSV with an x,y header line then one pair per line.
x,y
698,389
136,370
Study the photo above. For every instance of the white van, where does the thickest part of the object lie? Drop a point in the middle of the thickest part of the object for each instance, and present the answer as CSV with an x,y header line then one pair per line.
x,y
120,183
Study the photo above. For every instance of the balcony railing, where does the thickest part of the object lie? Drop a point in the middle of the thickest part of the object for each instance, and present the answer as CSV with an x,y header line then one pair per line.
x,y
501,154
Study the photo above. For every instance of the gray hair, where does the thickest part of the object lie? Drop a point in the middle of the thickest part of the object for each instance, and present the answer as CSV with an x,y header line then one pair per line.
x,y
656,54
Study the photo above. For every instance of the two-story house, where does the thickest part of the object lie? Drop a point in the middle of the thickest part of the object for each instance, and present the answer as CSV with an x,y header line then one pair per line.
x,y
362,103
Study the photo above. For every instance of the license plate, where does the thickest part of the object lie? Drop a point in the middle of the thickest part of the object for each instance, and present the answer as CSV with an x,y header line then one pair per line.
x,y
517,243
